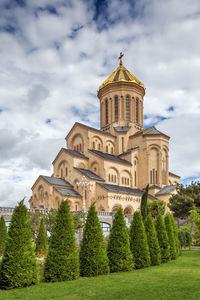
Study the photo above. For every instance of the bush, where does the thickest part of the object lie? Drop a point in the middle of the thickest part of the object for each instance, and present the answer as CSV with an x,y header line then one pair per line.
x,y
152,239
3,235
62,261
93,256
185,238
118,250
138,242
42,240
175,229
171,237
18,268
162,239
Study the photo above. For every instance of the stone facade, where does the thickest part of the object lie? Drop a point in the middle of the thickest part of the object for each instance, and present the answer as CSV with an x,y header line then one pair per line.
x,y
118,160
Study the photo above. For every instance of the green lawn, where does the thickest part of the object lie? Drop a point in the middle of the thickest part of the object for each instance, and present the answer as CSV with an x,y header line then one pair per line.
x,y
178,279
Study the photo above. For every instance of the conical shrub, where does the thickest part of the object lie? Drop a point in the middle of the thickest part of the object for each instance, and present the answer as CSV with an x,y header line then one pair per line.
x,y
62,262
163,239
177,242
138,242
42,240
171,237
3,235
93,256
18,268
118,250
152,239
144,208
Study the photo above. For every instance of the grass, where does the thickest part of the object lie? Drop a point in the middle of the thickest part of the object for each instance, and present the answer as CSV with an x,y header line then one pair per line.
x,y
175,280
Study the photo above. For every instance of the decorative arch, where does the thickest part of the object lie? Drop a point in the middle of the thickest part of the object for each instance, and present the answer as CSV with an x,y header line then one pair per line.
x,y
97,143
78,142
125,178
94,167
112,175
101,208
81,166
154,164
109,147
128,97
128,210
41,193
63,169
116,207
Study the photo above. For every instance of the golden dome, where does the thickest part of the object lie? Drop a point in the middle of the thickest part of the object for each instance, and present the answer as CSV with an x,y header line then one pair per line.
x,y
121,74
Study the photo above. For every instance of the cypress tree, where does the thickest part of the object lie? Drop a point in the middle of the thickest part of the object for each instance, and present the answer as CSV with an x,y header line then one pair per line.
x,y
152,239
118,250
143,207
171,237
138,242
62,261
18,268
3,235
42,240
163,239
93,256
177,242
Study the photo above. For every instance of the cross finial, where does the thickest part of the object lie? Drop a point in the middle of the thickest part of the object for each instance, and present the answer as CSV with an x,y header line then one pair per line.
x,y
120,58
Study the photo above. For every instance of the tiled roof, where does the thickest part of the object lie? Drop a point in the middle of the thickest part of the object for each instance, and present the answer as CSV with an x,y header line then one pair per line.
x,y
138,132
89,174
75,153
120,189
122,128
110,157
89,127
166,190
152,197
56,181
172,174
67,192
130,150
154,186
154,132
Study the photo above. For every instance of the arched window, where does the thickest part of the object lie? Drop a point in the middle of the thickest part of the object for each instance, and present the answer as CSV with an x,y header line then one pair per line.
x,y
99,147
106,111
136,111
116,108
112,150
93,145
107,149
127,108
66,171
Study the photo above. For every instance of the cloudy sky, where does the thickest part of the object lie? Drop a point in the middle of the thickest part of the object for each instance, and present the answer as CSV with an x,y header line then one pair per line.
x,y
55,54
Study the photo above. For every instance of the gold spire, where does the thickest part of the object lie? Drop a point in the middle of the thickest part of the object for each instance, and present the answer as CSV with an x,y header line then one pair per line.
x,y
120,58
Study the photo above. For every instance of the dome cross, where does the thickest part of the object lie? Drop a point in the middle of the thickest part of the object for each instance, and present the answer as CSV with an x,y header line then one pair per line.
x,y
120,58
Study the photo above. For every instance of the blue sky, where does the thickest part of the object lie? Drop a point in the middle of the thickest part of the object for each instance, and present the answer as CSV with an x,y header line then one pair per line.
x,y
55,54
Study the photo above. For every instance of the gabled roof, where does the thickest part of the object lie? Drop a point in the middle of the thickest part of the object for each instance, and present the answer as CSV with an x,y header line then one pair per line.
x,y
129,151
56,181
166,190
110,157
88,127
149,131
172,174
120,189
89,174
122,128
72,152
67,192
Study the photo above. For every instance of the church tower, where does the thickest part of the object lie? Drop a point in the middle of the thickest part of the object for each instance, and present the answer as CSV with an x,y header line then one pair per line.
x,y
121,101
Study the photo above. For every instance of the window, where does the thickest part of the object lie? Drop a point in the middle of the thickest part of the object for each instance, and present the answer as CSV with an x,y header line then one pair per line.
x,y
109,177
93,145
105,227
122,144
116,108
76,207
112,178
153,176
127,108
99,147
80,147
127,181
66,171
115,178
106,111
112,150
122,180
135,178
106,149
61,172
156,177
151,181
136,111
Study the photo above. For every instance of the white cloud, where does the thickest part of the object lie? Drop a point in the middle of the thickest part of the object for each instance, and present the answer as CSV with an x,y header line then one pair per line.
x,y
53,63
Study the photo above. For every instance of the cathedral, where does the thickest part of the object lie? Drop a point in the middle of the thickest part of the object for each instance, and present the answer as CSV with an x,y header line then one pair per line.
x,y
110,166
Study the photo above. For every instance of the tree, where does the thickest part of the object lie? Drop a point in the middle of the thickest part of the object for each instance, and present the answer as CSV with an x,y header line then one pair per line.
x,y
93,256
181,205
35,223
143,206
138,242
185,238
192,190
18,268
171,237
154,248
162,239
175,229
3,235
62,261
156,208
118,249
42,240
195,217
